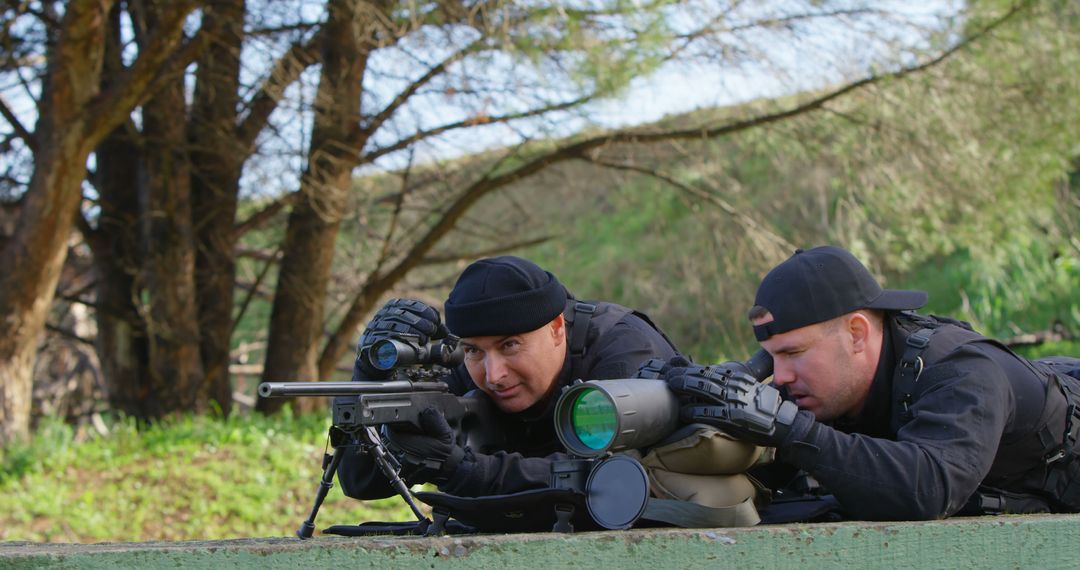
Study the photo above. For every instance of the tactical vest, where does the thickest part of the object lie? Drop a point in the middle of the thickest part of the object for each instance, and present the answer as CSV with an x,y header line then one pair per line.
x,y
1056,477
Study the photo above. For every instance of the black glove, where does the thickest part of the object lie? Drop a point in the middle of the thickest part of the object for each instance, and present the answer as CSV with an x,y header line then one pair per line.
x,y
431,456
655,368
728,397
399,319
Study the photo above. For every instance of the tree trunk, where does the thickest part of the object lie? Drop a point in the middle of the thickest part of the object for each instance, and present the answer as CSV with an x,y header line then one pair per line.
x,y
121,340
297,315
34,255
216,159
169,307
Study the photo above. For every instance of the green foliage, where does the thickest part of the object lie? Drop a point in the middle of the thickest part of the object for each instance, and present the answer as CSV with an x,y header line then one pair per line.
x,y
959,181
185,479
1031,287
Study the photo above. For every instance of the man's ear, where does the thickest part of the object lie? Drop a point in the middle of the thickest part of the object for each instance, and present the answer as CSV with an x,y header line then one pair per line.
x,y
558,329
858,326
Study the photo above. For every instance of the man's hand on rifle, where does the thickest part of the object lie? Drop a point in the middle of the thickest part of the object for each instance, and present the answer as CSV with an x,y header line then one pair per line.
x,y
728,397
431,456
397,319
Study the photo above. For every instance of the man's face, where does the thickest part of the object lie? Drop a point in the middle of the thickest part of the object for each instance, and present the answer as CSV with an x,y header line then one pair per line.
x,y
519,370
819,368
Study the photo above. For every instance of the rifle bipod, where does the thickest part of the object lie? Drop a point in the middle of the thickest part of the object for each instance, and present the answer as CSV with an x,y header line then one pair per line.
x,y
330,466
387,464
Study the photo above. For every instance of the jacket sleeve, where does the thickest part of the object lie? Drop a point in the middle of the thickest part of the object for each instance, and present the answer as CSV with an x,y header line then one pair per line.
x,y
501,473
360,478
959,412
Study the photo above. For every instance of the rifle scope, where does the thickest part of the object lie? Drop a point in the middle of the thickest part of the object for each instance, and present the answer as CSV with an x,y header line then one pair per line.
x,y
599,416
390,353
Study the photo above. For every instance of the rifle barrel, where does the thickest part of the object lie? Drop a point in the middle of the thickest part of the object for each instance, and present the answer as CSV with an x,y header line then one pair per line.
x,y
295,389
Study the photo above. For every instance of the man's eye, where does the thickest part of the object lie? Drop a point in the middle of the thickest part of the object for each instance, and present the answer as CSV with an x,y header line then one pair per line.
x,y
511,344
471,352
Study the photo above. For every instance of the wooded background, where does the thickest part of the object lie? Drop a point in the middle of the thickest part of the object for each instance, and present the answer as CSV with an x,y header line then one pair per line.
x,y
201,195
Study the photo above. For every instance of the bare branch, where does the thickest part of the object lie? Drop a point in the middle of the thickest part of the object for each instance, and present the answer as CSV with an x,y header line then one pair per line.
x,y
17,126
395,216
258,254
778,243
69,334
415,86
472,122
300,27
579,149
162,58
274,258
262,216
286,71
76,299
465,256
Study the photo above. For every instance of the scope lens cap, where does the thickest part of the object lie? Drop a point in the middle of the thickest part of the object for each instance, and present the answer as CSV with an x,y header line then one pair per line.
x,y
616,492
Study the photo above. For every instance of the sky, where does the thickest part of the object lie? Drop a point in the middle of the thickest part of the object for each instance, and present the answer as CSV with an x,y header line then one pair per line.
x,y
762,63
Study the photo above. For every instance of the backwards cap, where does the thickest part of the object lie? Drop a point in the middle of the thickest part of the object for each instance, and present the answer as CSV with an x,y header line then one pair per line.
x,y
820,284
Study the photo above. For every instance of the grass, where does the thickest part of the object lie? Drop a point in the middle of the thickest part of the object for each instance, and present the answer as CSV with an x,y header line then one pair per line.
x,y
192,478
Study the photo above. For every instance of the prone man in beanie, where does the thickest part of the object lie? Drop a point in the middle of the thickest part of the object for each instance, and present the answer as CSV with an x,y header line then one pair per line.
x,y
525,338
899,416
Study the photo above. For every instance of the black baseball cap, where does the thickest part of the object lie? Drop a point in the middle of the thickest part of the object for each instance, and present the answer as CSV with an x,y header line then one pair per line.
x,y
823,283
503,295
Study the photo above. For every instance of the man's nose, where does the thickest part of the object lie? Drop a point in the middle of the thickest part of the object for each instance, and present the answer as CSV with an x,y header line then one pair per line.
x,y
782,373
495,370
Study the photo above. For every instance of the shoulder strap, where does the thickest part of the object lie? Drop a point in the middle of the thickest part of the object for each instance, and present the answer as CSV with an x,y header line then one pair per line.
x,y
691,515
911,366
583,313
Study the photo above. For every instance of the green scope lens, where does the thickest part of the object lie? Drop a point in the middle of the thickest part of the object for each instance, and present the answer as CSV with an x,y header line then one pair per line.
x,y
384,355
593,419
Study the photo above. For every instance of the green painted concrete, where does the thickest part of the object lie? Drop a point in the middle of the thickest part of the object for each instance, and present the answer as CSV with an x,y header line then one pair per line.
x,y
1044,542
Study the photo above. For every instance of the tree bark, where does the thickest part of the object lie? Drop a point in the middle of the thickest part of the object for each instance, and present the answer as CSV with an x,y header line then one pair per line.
x,y
169,308
308,250
121,338
217,155
34,255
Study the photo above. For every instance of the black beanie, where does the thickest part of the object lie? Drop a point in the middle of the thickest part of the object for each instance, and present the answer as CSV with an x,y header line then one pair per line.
x,y
503,296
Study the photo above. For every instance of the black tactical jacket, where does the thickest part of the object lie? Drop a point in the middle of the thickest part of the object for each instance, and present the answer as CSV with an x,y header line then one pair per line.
x,y
617,341
977,419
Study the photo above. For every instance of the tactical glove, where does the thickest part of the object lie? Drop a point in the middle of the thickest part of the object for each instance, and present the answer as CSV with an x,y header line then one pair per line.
x,y
657,368
431,456
399,319
728,397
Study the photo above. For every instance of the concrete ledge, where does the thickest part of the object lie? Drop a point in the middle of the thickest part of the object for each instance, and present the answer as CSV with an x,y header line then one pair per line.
x,y
1044,541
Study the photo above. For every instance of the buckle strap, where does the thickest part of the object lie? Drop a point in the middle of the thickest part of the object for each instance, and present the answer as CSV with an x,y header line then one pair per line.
x,y
911,364
1068,439
564,515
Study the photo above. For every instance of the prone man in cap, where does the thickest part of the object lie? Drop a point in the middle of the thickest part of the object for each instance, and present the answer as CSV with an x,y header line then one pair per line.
x,y
525,337
897,415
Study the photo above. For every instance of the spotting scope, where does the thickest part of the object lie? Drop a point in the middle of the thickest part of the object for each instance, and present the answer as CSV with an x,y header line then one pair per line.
x,y
596,417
